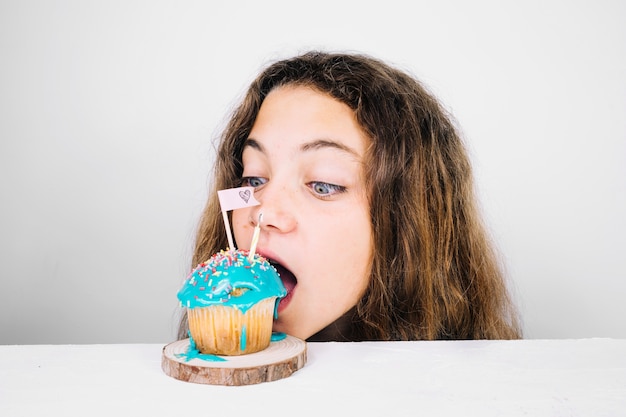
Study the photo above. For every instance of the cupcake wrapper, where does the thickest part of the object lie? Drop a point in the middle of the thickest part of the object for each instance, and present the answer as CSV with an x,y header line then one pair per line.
x,y
221,330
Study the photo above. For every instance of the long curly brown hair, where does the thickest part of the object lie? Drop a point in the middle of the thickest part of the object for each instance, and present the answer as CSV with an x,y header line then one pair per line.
x,y
435,273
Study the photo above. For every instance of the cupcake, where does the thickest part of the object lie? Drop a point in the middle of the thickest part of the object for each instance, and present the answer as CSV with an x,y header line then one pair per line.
x,y
231,302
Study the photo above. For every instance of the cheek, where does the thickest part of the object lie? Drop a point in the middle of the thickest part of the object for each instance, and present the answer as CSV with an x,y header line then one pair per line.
x,y
361,274
242,230
363,253
354,263
344,288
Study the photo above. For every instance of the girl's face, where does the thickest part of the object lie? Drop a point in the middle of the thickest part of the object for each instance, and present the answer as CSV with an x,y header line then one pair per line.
x,y
305,157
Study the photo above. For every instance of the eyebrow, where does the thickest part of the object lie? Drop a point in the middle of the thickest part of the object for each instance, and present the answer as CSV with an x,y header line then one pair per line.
x,y
327,143
308,146
253,143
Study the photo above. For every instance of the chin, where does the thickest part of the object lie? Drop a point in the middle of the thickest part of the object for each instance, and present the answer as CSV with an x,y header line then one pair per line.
x,y
294,331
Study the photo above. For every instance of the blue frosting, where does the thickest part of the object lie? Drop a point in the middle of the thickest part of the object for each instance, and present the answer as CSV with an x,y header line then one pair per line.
x,y
229,278
192,351
278,336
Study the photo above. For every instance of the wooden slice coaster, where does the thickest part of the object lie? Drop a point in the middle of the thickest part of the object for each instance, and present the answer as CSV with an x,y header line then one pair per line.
x,y
279,360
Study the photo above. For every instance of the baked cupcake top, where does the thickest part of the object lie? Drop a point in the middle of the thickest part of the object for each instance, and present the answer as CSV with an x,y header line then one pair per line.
x,y
229,278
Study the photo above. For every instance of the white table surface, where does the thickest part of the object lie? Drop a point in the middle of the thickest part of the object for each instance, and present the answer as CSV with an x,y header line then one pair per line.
x,y
585,377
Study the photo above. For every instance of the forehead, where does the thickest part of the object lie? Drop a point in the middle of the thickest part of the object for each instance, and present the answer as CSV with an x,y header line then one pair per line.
x,y
299,115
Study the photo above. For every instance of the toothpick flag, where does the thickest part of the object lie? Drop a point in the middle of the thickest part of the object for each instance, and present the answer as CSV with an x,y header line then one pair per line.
x,y
236,198
233,199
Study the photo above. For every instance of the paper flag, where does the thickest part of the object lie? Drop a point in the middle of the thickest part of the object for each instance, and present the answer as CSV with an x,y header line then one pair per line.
x,y
236,198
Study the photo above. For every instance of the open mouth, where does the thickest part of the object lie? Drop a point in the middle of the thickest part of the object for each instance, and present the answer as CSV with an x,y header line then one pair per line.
x,y
289,281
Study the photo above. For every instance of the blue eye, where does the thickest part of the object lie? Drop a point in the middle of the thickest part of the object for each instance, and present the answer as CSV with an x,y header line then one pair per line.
x,y
253,181
324,189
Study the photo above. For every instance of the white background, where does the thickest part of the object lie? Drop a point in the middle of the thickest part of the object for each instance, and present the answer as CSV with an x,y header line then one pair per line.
x,y
108,110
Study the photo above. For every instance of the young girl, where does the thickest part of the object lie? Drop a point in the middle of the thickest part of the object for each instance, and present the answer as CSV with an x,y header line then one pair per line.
x,y
367,206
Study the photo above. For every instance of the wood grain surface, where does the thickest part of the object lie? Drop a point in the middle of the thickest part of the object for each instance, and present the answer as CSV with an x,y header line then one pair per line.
x,y
279,360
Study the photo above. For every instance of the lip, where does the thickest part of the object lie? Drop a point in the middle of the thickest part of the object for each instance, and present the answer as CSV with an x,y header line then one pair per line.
x,y
289,283
284,272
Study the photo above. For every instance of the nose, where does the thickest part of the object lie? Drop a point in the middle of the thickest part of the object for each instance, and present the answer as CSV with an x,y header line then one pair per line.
x,y
278,208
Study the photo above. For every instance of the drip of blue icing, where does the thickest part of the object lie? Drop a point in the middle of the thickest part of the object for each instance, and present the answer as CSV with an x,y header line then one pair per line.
x,y
193,353
242,339
276,308
278,336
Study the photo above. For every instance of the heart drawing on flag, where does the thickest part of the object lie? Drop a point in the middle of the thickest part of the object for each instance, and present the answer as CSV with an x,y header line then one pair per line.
x,y
245,195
